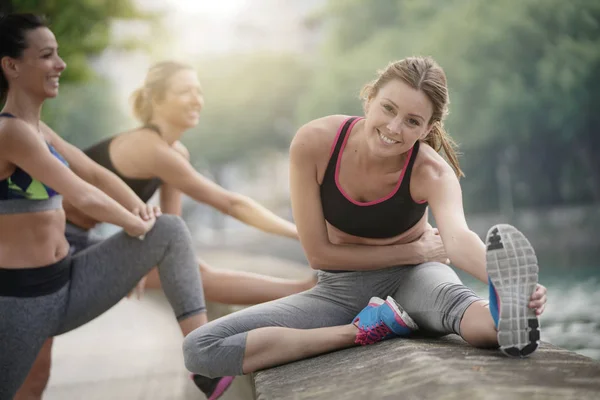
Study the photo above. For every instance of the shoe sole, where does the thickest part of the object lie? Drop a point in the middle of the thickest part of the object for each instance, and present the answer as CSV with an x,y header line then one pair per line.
x,y
376,301
513,269
408,321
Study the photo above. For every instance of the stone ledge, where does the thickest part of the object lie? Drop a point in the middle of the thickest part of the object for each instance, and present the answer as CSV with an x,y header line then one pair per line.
x,y
420,368
417,368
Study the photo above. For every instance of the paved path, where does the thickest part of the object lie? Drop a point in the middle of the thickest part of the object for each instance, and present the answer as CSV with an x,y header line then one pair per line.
x,y
133,351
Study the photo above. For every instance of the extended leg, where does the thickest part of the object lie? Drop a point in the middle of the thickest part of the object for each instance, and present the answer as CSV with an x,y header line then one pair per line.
x,y
228,286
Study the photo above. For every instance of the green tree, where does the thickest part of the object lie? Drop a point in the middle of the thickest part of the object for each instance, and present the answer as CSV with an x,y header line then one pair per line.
x,y
86,110
85,113
521,77
83,28
250,103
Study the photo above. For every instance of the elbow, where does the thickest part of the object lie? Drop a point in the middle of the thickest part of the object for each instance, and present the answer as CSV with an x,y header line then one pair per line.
x,y
234,203
314,264
83,201
86,200
95,175
318,260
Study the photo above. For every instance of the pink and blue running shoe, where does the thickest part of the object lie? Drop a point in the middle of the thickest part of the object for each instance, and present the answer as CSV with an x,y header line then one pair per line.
x,y
513,275
381,320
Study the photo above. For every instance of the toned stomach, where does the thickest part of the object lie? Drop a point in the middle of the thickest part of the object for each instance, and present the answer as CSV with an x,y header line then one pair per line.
x,y
336,236
33,239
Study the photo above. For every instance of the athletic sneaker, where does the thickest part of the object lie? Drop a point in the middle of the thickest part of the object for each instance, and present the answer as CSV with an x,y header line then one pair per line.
x,y
513,275
212,388
381,320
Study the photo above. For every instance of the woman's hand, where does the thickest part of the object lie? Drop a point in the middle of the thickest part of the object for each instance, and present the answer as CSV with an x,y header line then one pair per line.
x,y
145,211
432,246
141,227
146,216
538,299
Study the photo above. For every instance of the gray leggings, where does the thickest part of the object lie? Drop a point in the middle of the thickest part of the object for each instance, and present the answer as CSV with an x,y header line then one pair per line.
x,y
100,277
431,293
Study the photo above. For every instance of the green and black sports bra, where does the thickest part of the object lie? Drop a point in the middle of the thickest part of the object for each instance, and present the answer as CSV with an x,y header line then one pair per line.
x,y
20,193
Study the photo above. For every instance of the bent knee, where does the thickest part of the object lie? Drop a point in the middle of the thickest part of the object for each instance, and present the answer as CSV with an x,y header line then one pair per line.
x,y
441,310
452,301
171,227
196,352
170,221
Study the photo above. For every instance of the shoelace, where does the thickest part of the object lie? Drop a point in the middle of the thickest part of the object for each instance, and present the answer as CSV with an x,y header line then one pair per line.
x,y
372,334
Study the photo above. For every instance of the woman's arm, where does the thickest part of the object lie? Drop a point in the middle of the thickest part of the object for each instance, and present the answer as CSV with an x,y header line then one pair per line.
x,y
22,146
170,197
96,175
170,200
463,246
308,214
172,167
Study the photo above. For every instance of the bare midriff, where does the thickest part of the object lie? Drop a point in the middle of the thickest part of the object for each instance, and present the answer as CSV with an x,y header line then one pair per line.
x,y
336,236
33,239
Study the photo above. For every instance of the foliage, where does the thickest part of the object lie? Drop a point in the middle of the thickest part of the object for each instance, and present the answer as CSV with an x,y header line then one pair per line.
x,y
82,28
84,114
85,110
521,77
250,101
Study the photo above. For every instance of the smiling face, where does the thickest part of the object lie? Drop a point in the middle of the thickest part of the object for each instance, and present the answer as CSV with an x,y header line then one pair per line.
x,y
38,69
181,101
396,117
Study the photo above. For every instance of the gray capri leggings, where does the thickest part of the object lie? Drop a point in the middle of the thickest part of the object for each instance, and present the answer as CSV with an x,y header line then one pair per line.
x,y
431,293
101,276
80,239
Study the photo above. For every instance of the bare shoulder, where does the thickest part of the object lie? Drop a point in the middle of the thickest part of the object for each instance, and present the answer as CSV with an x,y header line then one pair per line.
x,y
140,143
50,134
181,149
14,130
10,129
45,128
430,166
316,137
139,152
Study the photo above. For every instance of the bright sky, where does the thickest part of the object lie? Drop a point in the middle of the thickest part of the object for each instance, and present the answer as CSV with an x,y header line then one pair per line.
x,y
215,34
213,8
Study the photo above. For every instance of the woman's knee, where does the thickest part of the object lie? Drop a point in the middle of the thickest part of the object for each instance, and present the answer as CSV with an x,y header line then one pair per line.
x,y
452,300
438,310
196,351
171,223
172,229
434,271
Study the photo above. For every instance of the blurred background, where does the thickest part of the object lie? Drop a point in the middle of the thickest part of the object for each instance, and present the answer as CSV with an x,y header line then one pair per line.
x,y
524,83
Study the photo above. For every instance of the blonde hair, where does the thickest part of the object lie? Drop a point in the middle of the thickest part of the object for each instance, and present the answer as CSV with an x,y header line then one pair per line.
x,y
154,88
422,73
